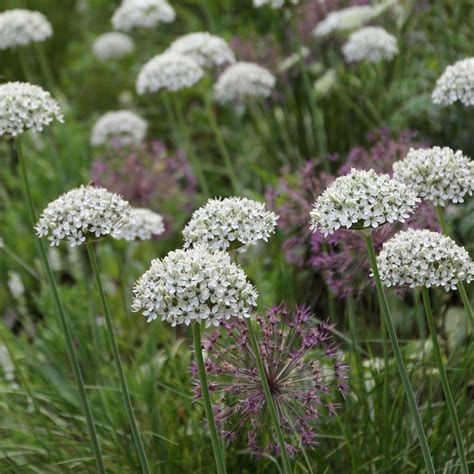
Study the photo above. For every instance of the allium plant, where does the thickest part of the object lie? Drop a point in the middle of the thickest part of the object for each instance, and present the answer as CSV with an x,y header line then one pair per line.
x,y
143,14
23,107
303,369
206,49
243,80
142,224
274,3
119,128
456,84
229,224
20,27
113,45
372,44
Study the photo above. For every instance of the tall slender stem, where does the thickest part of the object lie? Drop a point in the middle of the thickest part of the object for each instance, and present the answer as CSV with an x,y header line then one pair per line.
x,y
444,381
118,363
221,144
460,285
73,359
398,357
216,444
45,66
269,399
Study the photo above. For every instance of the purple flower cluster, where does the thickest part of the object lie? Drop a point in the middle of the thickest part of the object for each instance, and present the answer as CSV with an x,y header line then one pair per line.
x,y
149,176
340,258
304,371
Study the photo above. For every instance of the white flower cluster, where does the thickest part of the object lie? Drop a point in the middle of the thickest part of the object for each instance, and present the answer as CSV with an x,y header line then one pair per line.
x,y
242,80
372,44
362,199
142,14
206,49
82,211
418,258
142,224
456,83
21,27
124,127
169,71
194,285
273,3
112,45
7,368
436,174
230,223
24,106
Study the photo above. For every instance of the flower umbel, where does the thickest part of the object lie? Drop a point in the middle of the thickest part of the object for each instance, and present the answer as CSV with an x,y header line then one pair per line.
x,y
362,200
194,285
80,213
169,71
112,45
456,84
144,14
206,49
20,27
372,44
24,106
436,174
230,223
243,80
120,128
304,372
142,224
421,258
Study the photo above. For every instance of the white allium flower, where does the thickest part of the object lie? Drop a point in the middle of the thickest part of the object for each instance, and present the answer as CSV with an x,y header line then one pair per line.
x,y
124,127
206,49
21,27
142,14
436,174
112,45
24,106
194,285
80,213
15,284
456,83
169,71
422,258
242,80
142,224
362,200
372,44
230,223
273,3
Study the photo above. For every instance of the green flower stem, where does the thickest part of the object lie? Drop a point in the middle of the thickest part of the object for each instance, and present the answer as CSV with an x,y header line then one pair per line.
x,y
73,359
268,398
118,364
45,67
460,285
216,444
221,145
387,317
444,381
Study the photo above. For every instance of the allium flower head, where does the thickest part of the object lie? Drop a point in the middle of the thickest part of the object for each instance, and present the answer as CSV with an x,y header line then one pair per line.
x,y
80,213
372,44
421,258
456,83
112,45
361,200
121,128
142,224
304,372
24,106
169,71
273,3
142,14
194,285
206,49
436,174
230,223
242,80
21,27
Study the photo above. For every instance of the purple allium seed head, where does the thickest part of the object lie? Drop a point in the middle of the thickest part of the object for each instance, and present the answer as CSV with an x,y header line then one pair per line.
x,y
304,372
